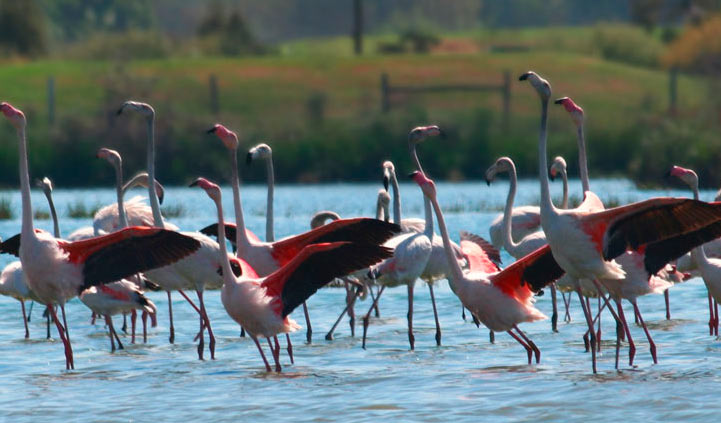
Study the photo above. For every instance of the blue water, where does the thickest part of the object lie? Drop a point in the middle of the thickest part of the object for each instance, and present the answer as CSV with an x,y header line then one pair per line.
x,y
466,379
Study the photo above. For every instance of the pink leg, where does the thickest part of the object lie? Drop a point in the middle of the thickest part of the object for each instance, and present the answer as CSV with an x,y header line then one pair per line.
x,y
529,351
530,343
66,342
109,323
366,318
631,344
435,315
204,316
25,320
262,354
567,304
589,322
554,315
715,320
652,345
598,333
411,338
309,331
275,353
711,314
144,318
668,304
290,348
93,316
133,319
171,339
65,322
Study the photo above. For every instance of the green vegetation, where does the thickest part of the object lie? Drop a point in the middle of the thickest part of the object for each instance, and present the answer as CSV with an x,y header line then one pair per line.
x,y
78,210
6,210
319,107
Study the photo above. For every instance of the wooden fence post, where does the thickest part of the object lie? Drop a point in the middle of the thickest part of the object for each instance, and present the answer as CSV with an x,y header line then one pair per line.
x,y
214,103
51,100
506,93
672,91
385,101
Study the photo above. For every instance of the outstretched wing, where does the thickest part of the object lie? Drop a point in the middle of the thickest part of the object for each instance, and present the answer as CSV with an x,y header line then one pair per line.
x,y
481,255
11,246
528,274
123,253
317,265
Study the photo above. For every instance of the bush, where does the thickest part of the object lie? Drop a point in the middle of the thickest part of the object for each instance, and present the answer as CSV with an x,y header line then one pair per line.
x,y
627,44
6,208
130,45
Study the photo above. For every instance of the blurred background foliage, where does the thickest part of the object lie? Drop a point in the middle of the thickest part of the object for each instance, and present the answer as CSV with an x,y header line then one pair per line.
x,y
285,72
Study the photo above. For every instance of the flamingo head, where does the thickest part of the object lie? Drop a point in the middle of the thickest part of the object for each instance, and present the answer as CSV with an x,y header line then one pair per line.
x,y
210,188
688,176
503,164
573,109
111,156
142,179
543,88
15,116
144,109
427,185
420,133
389,171
229,138
558,166
260,151
45,184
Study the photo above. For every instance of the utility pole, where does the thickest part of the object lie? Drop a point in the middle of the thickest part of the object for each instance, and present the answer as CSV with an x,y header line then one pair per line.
x,y
358,27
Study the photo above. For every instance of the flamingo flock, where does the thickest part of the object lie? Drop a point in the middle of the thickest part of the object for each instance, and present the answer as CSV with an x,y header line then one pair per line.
x,y
610,255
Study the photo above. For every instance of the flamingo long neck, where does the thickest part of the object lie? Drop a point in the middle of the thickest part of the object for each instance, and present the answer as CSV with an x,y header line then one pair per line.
x,y
428,230
582,160
508,211
152,195
119,192
241,238
547,207
698,254
414,155
27,224
53,213
456,272
397,197
380,210
225,264
269,235
564,203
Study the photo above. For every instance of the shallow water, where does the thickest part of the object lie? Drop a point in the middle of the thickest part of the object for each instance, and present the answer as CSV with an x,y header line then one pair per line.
x,y
467,378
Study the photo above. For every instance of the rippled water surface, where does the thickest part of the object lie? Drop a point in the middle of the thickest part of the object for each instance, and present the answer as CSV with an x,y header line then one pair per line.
x,y
467,378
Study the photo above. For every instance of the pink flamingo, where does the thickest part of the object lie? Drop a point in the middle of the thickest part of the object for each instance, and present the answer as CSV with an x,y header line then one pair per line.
x,y
710,268
262,304
500,299
58,270
584,241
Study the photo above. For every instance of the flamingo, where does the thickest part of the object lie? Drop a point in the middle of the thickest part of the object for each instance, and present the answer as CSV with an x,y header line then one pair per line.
x,y
500,299
58,270
585,241
710,268
196,271
262,304
122,296
267,257
411,251
535,240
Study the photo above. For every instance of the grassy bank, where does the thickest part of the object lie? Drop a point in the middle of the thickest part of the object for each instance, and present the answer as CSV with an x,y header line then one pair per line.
x,y
321,112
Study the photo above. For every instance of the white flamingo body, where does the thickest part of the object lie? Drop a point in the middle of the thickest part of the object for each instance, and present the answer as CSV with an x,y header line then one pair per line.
x,y
248,303
411,253
525,220
13,283
118,297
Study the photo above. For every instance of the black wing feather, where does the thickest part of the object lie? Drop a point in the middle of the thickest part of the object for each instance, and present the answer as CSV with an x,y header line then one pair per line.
x,y
322,267
11,246
136,254
542,272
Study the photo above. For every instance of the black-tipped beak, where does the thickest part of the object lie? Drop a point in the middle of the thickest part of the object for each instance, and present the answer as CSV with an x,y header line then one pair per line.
x,y
667,175
442,134
413,174
488,182
560,100
194,183
161,196
385,182
120,111
211,130
249,158
524,76
551,176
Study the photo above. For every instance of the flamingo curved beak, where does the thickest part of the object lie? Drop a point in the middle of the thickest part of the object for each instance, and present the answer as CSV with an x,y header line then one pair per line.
x,y
249,158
